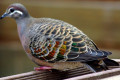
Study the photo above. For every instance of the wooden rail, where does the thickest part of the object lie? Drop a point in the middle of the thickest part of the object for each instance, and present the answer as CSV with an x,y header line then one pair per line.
x,y
76,74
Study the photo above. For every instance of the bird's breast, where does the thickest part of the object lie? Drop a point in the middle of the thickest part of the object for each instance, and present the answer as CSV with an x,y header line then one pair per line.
x,y
24,38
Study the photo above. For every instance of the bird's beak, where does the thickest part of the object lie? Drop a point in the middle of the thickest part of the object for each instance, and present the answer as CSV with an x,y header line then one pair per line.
x,y
4,15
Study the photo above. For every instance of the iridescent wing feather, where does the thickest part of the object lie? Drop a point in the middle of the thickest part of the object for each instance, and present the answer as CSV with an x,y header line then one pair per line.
x,y
59,41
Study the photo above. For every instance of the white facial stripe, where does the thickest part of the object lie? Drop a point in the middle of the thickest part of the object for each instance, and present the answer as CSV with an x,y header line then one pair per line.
x,y
16,11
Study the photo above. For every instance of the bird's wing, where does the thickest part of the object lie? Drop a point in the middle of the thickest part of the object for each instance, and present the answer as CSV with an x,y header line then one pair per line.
x,y
60,41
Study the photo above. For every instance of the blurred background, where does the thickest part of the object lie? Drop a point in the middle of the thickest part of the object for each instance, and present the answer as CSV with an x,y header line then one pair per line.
x,y
99,19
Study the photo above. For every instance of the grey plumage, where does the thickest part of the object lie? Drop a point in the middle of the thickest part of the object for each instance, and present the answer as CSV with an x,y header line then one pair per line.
x,y
55,43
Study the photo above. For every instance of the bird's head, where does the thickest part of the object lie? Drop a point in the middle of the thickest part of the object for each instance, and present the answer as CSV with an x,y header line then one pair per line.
x,y
16,11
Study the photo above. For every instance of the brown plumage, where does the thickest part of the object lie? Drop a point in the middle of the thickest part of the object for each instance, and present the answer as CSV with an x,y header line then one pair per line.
x,y
55,43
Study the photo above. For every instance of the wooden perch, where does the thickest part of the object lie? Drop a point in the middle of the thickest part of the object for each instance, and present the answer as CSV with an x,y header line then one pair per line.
x,y
76,74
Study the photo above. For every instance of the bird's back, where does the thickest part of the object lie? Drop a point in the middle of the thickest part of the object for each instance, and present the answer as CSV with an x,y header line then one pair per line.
x,y
54,43
54,40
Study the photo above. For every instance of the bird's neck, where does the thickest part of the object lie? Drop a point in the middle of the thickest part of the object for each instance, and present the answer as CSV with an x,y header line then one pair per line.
x,y
23,29
22,26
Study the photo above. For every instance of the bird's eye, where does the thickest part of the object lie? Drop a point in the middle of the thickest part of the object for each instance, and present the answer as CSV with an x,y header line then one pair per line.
x,y
12,10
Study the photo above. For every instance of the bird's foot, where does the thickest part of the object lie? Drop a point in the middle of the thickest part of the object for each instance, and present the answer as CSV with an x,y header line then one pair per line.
x,y
42,68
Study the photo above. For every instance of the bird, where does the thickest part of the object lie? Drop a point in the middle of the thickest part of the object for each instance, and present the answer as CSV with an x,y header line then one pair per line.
x,y
55,44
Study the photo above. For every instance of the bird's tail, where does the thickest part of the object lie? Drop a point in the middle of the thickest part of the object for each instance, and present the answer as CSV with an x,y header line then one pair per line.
x,y
101,65
110,62
97,66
